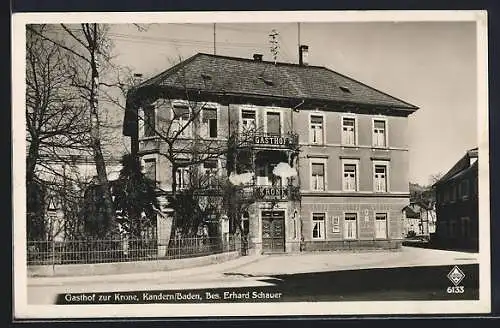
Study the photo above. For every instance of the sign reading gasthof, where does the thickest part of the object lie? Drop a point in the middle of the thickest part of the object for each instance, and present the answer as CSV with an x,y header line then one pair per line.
x,y
272,140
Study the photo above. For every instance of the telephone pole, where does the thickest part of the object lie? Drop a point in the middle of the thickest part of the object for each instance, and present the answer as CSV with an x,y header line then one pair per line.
x,y
215,47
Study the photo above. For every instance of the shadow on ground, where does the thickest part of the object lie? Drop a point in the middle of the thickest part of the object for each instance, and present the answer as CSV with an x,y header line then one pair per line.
x,y
430,245
382,284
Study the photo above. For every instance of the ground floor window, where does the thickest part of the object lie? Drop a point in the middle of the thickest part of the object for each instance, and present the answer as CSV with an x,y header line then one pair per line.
x,y
294,224
336,224
350,226
465,227
245,220
381,225
452,229
318,224
443,228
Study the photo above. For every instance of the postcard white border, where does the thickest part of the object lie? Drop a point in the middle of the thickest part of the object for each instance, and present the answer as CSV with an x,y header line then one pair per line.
x,y
23,310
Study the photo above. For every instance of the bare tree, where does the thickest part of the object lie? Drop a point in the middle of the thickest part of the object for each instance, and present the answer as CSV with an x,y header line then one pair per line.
x,y
433,178
88,48
179,120
56,119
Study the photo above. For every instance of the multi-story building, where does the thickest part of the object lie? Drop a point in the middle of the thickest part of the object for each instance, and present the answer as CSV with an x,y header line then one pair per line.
x,y
62,182
457,205
328,154
420,218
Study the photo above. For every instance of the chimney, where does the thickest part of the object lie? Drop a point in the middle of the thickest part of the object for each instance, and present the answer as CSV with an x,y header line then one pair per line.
x,y
137,78
257,57
303,55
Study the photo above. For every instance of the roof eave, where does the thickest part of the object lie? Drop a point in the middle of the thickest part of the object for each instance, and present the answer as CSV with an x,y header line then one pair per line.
x,y
409,109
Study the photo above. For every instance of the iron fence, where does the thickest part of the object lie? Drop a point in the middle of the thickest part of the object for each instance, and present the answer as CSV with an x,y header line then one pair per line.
x,y
126,249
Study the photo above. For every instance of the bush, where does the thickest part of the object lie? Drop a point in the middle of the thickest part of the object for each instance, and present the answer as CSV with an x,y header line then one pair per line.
x,y
411,234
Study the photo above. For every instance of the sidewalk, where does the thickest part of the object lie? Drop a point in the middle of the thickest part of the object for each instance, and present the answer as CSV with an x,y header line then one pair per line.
x,y
183,274
266,265
336,261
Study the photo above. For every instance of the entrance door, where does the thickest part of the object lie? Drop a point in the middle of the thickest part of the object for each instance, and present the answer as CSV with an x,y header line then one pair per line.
x,y
273,231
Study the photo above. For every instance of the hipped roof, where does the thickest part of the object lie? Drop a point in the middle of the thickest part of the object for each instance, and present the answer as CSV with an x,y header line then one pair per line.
x,y
224,75
247,76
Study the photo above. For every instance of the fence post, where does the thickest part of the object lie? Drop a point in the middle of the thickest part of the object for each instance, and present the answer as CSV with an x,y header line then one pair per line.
x,y
53,255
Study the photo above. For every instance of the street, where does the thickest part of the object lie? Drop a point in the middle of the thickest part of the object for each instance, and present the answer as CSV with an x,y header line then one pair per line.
x,y
412,273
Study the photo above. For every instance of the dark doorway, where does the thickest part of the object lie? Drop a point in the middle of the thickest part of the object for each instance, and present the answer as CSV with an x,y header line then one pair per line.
x,y
273,231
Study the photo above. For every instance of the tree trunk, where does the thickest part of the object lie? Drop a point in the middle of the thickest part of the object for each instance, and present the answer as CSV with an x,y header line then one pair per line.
x,y
95,142
31,161
173,201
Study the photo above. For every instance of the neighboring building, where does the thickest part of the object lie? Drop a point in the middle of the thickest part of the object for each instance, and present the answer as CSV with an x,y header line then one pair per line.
x,y
63,180
457,204
341,144
420,218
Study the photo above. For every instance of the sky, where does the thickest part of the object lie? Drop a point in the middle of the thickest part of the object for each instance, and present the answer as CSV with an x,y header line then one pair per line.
x,y
429,64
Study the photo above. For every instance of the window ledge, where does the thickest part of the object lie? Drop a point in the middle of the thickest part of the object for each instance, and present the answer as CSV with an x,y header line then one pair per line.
x,y
154,138
317,155
350,157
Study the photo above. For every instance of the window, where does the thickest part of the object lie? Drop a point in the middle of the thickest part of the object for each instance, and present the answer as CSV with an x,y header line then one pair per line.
x,y
380,178
446,195
379,133
182,177
209,122
294,224
262,174
349,180
453,193
318,224
452,229
150,168
181,120
350,226
335,224
381,225
210,173
465,227
464,189
273,125
316,129
245,219
348,131
149,121
248,121
318,176
345,89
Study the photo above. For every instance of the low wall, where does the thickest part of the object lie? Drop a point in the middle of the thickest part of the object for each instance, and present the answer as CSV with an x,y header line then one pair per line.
x,y
352,245
127,267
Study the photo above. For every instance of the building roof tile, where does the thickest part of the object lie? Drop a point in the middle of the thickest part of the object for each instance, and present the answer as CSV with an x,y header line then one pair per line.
x,y
263,78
